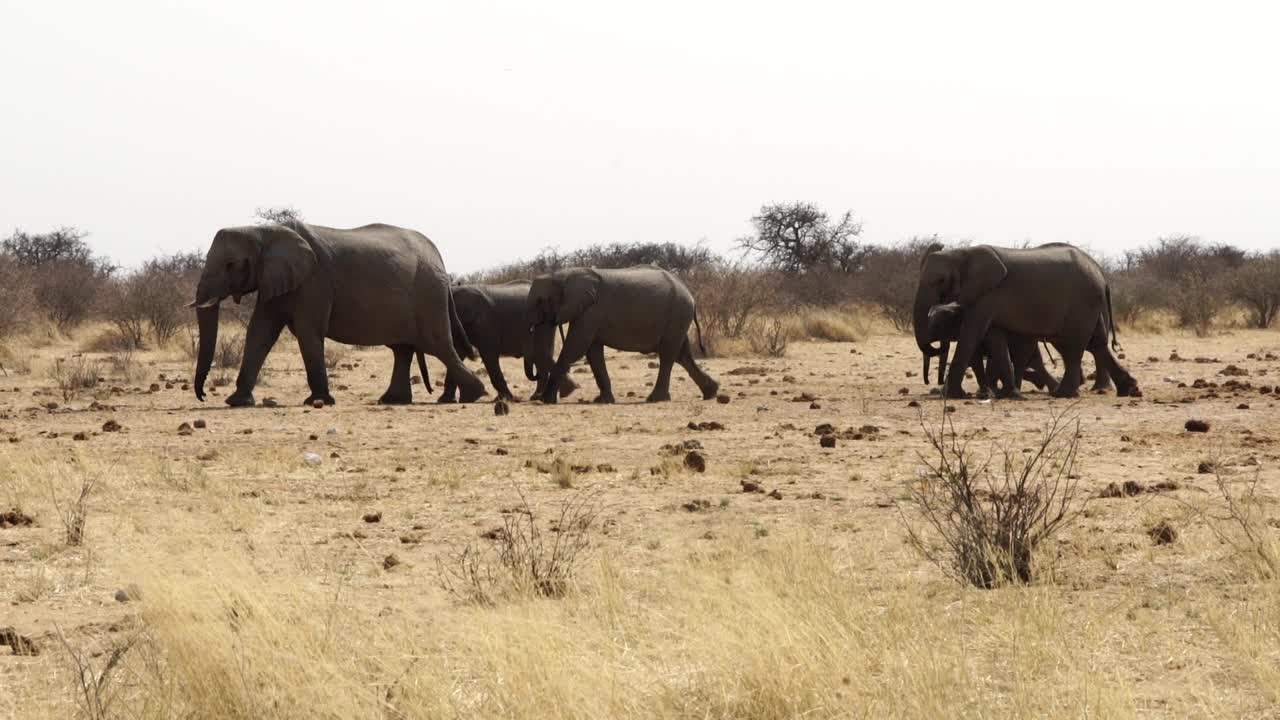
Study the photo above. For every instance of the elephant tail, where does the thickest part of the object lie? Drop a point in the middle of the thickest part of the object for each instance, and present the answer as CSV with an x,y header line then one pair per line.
x,y
698,325
461,343
1049,352
1111,322
422,367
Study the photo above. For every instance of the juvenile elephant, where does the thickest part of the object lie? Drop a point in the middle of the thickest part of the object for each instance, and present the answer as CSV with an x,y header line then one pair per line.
x,y
1023,352
638,309
371,285
1055,293
496,322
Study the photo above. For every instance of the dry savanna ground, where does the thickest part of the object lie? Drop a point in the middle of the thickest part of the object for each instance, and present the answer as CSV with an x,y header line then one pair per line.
x,y
345,562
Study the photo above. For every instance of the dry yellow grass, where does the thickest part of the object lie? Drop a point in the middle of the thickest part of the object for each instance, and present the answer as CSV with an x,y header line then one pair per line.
x,y
257,590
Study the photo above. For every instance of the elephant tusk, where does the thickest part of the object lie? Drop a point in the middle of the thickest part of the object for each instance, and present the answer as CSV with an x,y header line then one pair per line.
x,y
206,304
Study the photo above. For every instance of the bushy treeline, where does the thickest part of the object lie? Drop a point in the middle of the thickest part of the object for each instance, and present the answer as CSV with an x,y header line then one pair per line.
x,y
797,258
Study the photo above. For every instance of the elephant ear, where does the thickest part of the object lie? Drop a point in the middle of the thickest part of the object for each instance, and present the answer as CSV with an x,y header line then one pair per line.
x,y
287,260
578,293
982,272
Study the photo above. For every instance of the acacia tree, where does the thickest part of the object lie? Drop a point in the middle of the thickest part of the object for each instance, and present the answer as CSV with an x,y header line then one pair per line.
x,y
277,215
799,237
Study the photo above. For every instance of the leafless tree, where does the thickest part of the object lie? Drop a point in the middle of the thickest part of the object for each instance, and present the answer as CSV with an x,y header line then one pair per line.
x,y
798,237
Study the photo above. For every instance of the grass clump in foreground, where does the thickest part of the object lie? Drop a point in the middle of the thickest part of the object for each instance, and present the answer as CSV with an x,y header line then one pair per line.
x,y
981,518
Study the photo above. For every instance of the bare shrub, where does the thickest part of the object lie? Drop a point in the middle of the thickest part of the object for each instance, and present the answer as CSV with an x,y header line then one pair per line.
x,y
229,351
73,375
76,513
68,290
1256,286
525,560
277,215
334,354
1184,275
17,296
96,691
151,300
984,518
769,337
1241,524
797,237
831,325
729,294
889,276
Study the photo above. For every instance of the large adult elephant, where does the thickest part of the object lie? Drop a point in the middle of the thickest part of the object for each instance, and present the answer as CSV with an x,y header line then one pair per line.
x,y
1055,293
371,285
496,322
639,309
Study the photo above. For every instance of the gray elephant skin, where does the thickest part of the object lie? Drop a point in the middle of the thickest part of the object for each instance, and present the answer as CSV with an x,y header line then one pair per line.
x,y
371,285
641,309
495,319
1055,293
945,322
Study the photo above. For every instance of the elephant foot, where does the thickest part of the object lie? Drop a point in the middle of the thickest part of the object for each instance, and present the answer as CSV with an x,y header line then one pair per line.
x,y
1130,390
472,393
446,400
711,391
325,398
549,398
1015,395
656,396
950,394
390,398
1066,393
239,399
604,400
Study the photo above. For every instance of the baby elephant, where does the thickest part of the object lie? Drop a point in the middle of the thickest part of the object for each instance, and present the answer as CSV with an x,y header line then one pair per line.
x,y
1009,357
494,319
639,309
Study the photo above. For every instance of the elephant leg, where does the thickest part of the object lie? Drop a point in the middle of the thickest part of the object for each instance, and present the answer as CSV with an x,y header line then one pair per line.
x,y
496,377
1000,365
986,387
437,340
1126,385
1038,374
709,387
667,354
576,344
1102,375
261,335
311,343
973,329
400,391
595,356
449,391
1072,373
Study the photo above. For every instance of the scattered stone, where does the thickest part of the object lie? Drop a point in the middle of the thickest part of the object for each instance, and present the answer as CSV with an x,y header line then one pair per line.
x,y
1242,406
695,461
390,561
827,441
270,403
500,451
15,518
185,429
20,644
410,539
1163,533
914,404
776,494
1207,467
1233,371
824,429
814,406
400,469
748,371
311,458
501,408
1127,489
373,517
710,425
200,424
697,505
80,436
903,391
722,399
749,486
1199,426
155,387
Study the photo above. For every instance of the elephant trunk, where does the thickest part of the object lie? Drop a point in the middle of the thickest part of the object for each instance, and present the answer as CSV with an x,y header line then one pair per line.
x,y
207,318
920,324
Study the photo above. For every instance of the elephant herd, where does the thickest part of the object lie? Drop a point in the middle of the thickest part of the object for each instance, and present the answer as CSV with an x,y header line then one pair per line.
x,y
384,285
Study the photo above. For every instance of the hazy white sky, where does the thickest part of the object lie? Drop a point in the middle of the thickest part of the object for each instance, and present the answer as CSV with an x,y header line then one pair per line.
x,y
501,128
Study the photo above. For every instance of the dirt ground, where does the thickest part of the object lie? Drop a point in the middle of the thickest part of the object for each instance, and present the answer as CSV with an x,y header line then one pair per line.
x,y
1177,629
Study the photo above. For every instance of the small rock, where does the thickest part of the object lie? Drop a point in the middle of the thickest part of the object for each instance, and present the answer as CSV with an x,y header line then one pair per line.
x,y
697,505
185,429
1242,406
749,486
722,399
914,404
776,494
814,406
331,431
390,561
155,387
827,441
311,458
1163,533
903,391
1207,467
200,424
80,436
1199,426
500,451
695,461
373,517
112,426
270,403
